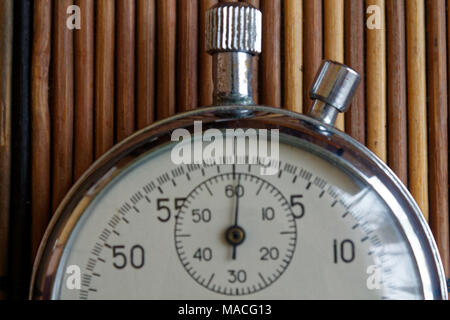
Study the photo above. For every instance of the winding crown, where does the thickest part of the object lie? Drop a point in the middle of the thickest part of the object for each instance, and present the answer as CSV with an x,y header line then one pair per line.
x,y
233,27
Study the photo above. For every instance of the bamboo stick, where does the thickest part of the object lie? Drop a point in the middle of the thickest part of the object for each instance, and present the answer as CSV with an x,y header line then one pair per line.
x,y
448,91
271,54
84,90
6,32
312,46
255,71
355,118
376,81
125,66
206,85
293,55
63,103
438,126
417,105
145,47
187,54
104,77
166,57
397,104
41,123
334,39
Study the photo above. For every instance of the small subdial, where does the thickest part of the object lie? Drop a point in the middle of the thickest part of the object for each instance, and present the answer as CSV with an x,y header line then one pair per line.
x,y
235,234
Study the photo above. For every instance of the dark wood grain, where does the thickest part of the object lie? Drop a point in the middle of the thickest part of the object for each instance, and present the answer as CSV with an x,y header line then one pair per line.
x,y
166,57
312,46
270,67
6,36
104,76
84,90
19,262
355,118
187,55
63,105
438,126
125,66
40,122
397,101
206,85
145,70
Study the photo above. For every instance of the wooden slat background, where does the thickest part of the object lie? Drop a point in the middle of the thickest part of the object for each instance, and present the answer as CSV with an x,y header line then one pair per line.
x,y
137,61
6,52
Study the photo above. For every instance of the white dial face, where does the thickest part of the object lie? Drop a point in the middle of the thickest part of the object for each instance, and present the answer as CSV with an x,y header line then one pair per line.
x,y
166,231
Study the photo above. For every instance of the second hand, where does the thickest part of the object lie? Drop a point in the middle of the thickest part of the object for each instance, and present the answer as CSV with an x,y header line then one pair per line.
x,y
236,209
235,235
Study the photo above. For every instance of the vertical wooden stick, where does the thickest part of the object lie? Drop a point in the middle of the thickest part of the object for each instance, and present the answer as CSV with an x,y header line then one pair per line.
x,y
20,213
312,46
206,85
125,37
166,57
334,38
254,3
40,122
355,118
397,104
271,54
438,126
293,55
63,103
84,90
145,68
255,86
104,77
6,32
187,54
376,78
417,103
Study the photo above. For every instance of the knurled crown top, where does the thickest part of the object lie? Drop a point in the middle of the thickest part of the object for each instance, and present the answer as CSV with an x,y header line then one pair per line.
x,y
233,27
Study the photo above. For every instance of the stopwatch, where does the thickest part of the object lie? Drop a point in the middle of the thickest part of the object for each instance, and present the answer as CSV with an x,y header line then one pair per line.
x,y
239,201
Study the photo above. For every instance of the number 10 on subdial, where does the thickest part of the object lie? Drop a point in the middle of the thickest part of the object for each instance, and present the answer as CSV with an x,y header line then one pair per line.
x,y
236,233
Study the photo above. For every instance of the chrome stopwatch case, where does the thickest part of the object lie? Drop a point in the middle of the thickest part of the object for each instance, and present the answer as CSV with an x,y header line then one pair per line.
x,y
241,201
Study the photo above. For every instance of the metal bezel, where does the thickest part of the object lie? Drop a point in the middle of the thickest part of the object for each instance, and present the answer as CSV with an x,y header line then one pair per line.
x,y
329,141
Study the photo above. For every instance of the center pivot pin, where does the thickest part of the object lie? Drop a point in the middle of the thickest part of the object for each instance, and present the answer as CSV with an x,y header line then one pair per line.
x,y
235,235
